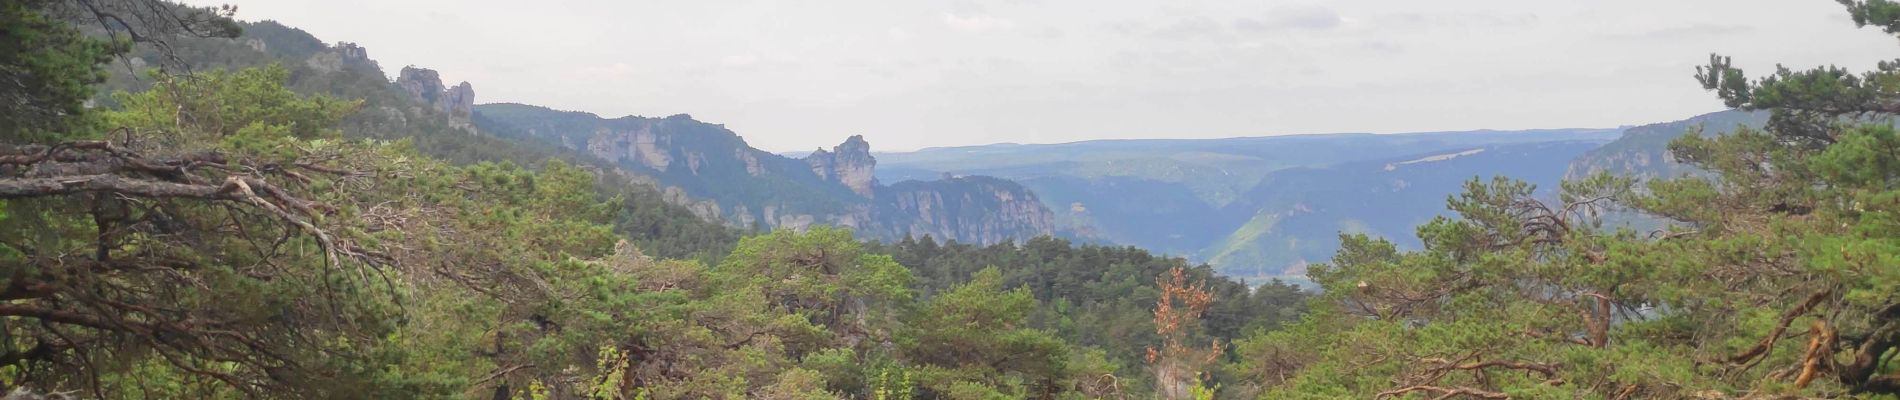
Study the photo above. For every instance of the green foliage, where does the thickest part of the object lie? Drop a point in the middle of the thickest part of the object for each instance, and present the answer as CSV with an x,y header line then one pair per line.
x,y
248,112
473,273
1773,278
235,289
825,277
667,230
384,112
1882,13
49,67
978,333
334,240
1098,299
891,386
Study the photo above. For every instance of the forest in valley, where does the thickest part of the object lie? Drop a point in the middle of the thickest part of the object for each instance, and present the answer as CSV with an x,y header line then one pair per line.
x,y
193,231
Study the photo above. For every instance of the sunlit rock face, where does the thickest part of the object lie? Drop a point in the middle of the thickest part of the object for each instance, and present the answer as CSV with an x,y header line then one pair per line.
x,y
849,164
426,84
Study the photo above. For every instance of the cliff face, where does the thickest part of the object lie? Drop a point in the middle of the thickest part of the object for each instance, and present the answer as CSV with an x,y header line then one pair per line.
x,y
421,83
343,56
849,164
638,145
415,106
706,169
712,171
426,84
458,101
972,209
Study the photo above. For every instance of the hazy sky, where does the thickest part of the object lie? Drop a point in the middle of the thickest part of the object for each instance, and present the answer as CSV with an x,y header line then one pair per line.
x,y
793,75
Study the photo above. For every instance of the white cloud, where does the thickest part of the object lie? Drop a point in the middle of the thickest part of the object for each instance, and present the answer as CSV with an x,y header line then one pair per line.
x,y
1686,31
609,71
1466,20
978,23
1191,28
1292,18
739,60
907,75
1124,27
1049,32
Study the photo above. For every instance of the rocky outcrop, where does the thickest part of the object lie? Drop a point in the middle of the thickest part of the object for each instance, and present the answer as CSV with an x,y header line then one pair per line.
x,y
421,83
849,164
352,53
752,165
975,209
704,209
335,58
426,85
641,146
711,171
820,162
458,101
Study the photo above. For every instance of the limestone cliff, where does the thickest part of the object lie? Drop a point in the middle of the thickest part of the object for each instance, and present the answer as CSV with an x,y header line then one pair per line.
x,y
426,84
330,60
976,209
639,145
849,164
458,101
712,171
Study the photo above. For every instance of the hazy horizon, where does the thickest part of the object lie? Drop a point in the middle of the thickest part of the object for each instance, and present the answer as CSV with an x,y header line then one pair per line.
x,y
910,76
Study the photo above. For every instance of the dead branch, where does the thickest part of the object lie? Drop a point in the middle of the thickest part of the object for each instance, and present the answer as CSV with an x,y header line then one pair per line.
x,y
1549,371
118,299
1820,349
1444,392
1859,373
1787,318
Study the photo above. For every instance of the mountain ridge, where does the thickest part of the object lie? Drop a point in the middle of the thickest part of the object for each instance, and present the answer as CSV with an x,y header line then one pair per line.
x,y
1642,151
1189,197
722,177
1533,131
441,120
1172,187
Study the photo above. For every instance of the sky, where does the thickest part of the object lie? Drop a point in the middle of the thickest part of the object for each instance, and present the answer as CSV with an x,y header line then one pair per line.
x,y
908,74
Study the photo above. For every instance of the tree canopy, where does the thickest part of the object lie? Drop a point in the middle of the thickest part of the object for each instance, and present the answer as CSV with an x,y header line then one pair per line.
x,y
229,233
1775,277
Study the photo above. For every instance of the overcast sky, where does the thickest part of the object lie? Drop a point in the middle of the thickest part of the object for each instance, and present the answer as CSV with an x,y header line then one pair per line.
x,y
794,75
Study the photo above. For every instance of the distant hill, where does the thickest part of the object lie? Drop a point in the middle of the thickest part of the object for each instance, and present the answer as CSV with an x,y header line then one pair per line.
x,y
1294,216
1643,151
1212,198
696,170
1216,170
418,108
716,174
1260,206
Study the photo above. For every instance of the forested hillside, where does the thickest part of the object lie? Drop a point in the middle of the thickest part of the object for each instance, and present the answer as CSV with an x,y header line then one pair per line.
x,y
1643,151
243,231
1774,276
393,111
1293,217
225,224
442,120
720,177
